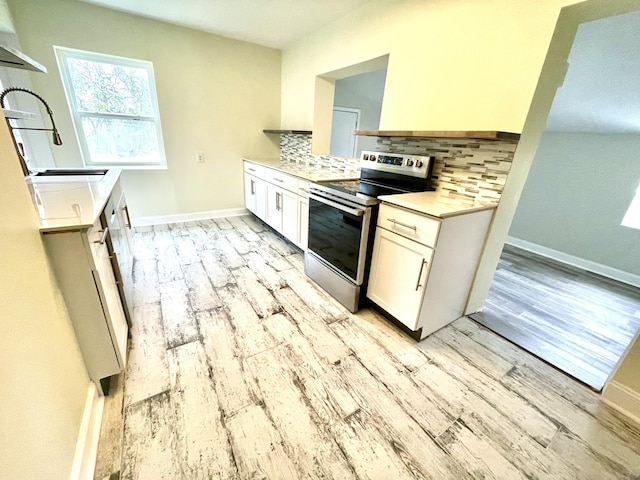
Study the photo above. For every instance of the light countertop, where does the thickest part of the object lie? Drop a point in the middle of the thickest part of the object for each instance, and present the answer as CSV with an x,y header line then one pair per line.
x,y
435,204
71,202
311,173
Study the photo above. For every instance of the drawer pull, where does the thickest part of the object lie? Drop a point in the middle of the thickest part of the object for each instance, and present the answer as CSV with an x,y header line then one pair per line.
x,y
251,169
420,273
278,179
396,222
126,211
103,239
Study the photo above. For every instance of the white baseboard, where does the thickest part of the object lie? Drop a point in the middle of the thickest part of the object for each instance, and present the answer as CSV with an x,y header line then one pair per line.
x,y
624,400
588,265
84,460
188,217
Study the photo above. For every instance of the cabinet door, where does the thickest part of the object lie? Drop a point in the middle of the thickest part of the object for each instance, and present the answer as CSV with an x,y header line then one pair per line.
x,y
125,257
111,304
254,196
260,187
303,222
399,270
250,193
289,204
125,225
274,207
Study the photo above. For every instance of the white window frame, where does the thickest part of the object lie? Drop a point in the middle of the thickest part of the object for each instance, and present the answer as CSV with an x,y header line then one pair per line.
x,y
64,53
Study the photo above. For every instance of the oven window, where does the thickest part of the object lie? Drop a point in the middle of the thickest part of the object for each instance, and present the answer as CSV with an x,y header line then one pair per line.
x,y
335,235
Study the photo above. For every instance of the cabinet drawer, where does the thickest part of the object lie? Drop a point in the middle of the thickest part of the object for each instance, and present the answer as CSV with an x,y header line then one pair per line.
x,y
281,180
409,224
253,169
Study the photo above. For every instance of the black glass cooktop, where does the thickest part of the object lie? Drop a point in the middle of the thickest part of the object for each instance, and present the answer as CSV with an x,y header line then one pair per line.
x,y
359,187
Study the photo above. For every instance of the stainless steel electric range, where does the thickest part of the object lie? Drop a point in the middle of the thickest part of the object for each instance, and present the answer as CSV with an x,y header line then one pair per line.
x,y
342,219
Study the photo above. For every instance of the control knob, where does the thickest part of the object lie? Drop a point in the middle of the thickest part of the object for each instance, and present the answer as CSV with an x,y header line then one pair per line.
x,y
372,158
409,162
419,163
365,156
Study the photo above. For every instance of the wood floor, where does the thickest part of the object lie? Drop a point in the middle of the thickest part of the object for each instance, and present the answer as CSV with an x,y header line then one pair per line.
x,y
578,321
241,368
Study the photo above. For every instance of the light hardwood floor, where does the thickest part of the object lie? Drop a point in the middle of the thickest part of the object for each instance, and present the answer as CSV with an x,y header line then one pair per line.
x,y
241,368
578,321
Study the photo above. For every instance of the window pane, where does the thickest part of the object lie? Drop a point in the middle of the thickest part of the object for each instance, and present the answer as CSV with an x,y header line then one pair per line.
x,y
107,88
121,141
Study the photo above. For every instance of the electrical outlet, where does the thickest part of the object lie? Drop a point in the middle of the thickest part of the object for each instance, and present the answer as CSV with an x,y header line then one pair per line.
x,y
200,157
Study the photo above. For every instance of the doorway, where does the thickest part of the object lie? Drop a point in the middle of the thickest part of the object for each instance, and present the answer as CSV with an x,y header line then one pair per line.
x,y
554,295
344,122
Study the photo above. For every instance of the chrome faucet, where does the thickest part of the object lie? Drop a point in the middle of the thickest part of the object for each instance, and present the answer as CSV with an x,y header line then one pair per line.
x,y
56,136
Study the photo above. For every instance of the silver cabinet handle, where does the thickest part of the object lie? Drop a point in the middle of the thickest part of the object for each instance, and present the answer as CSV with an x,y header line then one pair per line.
x,y
278,179
103,239
126,210
277,200
424,261
396,222
251,169
253,190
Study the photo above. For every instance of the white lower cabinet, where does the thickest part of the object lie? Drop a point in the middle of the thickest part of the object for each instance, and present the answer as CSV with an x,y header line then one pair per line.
x,y
399,268
116,218
422,267
282,211
289,208
279,200
83,266
255,195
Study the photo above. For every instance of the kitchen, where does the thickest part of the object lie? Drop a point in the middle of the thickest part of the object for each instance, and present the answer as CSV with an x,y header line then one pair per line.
x,y
256,82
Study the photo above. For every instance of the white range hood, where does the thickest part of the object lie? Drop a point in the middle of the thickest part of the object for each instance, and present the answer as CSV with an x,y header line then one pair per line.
x,y
12,58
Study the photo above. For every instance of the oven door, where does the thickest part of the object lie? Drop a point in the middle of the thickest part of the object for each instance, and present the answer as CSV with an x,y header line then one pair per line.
x,y
338,234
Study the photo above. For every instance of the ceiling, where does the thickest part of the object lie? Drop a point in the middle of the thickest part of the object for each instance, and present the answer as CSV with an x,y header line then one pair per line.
x,y
601,90
272,23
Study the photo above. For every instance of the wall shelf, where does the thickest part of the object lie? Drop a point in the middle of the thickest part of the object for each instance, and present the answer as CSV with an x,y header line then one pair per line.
x,y
299,132
475,134
12,58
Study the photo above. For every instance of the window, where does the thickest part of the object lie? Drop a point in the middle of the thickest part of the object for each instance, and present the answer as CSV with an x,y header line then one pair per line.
x,y
114,108
632,217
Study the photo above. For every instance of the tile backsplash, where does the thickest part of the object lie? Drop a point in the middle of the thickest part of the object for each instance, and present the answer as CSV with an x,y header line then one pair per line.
x,y
463,167
295,147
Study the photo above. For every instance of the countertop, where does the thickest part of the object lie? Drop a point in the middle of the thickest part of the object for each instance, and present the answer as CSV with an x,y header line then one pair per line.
x,y
435,204
312,173
71,202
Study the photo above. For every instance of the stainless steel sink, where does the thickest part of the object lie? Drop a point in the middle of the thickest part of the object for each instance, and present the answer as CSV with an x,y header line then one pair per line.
x,y
62,172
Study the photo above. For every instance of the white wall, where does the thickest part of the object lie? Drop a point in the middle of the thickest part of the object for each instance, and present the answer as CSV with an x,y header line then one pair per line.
x,y
463,65
577,192
44,380
6,23
215,96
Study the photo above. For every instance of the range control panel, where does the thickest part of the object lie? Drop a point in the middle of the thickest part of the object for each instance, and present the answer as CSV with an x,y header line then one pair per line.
x,y
414,165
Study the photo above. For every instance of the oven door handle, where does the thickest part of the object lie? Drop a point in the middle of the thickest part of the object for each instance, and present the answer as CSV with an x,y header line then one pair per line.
x,y
353,211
